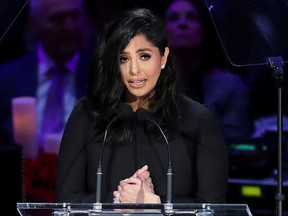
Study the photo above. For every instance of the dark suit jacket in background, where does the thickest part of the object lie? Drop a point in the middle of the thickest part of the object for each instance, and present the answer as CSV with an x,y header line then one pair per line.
x,y
19,78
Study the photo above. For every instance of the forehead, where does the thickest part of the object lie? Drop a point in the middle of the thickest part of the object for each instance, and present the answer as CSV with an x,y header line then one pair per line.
x,y
56,6
181,6
140,42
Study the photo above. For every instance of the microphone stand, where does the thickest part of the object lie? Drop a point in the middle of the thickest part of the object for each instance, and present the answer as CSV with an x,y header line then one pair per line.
x,y
276,64
168,205
123,112
169,167
99,173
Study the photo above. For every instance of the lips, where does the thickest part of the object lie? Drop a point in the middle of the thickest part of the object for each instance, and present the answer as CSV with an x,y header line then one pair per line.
x,y
137,83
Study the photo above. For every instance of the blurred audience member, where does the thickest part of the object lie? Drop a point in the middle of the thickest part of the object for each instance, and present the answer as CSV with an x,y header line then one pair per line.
x,y
103,12
59,26
205,74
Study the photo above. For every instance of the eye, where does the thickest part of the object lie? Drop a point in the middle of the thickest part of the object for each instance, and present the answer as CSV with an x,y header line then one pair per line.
x,y
173,17
145,56
123,59
57,19
192,17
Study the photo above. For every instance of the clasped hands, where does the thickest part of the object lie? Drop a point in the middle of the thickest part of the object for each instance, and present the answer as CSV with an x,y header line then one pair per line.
x,y
136,189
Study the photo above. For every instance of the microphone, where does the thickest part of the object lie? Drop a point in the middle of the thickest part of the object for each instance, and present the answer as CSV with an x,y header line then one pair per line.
x,y
143,114
124,111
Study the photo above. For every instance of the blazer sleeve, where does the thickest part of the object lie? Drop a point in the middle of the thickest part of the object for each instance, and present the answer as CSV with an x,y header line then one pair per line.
x,y
212,160
71,183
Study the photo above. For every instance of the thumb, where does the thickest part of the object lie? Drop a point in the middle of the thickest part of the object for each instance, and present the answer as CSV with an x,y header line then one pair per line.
x,y
139,171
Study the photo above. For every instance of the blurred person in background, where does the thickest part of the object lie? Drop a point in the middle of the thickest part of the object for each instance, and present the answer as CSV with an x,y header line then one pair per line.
x,y
205,74
59,27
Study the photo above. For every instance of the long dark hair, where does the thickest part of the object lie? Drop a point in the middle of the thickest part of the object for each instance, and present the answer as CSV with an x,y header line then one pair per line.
x,y
106,88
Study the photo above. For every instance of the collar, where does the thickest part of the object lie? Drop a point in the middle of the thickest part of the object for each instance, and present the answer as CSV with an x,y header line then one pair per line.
x,y
46,62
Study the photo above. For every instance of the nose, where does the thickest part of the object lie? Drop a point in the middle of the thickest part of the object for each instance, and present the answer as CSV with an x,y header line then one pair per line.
x,y
182,22
134,67
69,23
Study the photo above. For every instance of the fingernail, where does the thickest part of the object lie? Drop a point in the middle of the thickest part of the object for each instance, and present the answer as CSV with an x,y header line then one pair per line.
x,y
145,166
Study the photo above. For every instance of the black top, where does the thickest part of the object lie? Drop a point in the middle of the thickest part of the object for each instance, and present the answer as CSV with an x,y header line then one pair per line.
x,y
198,150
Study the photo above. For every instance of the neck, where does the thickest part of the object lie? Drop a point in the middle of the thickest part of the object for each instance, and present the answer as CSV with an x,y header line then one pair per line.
x,y
188,62
137,102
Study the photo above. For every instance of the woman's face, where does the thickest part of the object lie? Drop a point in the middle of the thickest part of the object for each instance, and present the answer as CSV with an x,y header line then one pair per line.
x,y
183,25
140,67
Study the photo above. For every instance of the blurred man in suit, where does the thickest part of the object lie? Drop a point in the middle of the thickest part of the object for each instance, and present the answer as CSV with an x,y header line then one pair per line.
x,y
59,27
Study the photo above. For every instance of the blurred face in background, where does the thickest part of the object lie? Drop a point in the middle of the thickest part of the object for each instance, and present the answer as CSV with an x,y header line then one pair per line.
x,y
183,25
60,25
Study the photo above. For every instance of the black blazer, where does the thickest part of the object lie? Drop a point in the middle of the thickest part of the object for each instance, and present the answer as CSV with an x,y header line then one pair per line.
x,y
19,78
199,157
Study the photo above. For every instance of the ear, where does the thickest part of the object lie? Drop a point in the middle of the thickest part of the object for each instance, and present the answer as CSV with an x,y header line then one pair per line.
x,y
165,56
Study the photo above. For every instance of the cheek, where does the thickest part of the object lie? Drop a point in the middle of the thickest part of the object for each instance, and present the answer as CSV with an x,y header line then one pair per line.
x,y
196,29
124,73
170,26
198,36
172,29
154,75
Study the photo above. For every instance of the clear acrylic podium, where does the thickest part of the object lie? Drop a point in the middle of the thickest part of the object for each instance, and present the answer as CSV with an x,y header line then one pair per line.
x,y
105,209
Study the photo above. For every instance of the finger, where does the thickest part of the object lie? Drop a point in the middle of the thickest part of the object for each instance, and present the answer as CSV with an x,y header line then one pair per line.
x,y
131,180
148,185
116,198
139,171
144,175
125,181
152,186
119,188
149,179
116,193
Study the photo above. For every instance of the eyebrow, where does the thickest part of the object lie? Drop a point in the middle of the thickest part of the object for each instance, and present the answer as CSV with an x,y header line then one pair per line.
x,y
144,49
139,50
